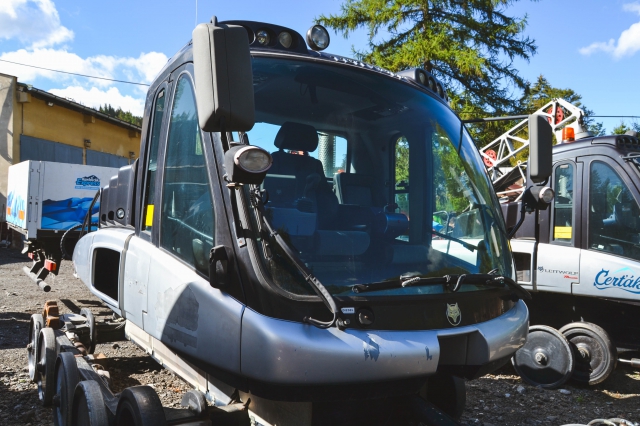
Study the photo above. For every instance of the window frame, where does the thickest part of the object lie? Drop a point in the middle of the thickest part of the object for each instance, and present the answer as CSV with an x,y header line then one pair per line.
x,y
621,172
210,163
142,233
576,203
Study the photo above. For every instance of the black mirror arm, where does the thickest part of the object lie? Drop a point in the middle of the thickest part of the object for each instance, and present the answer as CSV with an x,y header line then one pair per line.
x,y
523,210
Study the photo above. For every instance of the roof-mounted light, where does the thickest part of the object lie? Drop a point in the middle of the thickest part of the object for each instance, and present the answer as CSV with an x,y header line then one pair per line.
x,y
263,37
426,79
285,39
318,38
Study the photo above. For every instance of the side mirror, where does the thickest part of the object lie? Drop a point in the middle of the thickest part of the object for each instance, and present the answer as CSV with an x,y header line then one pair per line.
x,y
540,148
223,77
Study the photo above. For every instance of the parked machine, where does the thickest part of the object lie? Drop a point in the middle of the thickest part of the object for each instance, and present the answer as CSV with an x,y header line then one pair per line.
x,y
581,257
275,247
47,203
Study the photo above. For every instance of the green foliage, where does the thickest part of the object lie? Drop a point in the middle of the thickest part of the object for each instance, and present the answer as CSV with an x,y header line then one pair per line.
x,y
120,114
622,128
470,45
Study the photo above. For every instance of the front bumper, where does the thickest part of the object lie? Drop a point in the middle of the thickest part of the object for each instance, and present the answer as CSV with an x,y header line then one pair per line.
x,y
289,353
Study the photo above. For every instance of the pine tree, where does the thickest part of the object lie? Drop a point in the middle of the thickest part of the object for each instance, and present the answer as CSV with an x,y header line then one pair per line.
x,y
470,45
120,114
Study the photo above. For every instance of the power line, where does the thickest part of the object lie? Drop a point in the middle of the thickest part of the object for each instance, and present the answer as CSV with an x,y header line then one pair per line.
x,y
615,116
73,73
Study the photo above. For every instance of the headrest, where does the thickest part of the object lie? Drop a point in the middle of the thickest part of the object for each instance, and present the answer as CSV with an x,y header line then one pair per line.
x,y
296,136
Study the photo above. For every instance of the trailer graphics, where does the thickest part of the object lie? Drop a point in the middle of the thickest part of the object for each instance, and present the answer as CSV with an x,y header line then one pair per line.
x,y
88,182
63,214
627,282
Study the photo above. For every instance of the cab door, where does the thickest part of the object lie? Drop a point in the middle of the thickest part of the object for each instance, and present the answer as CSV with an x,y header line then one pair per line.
x,y
558,260
610,264
184,311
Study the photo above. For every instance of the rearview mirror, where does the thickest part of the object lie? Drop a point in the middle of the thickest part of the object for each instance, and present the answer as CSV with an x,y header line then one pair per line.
x,y
540,146
223,77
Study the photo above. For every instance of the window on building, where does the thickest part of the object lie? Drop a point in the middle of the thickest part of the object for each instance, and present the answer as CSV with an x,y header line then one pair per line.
x,y
187,221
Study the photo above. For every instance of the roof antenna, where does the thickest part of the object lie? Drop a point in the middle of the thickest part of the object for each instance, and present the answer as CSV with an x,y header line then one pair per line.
x,y
196,13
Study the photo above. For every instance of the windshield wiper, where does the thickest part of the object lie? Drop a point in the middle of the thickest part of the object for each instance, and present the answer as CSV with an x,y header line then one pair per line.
x,y
327,298
464,244
453,283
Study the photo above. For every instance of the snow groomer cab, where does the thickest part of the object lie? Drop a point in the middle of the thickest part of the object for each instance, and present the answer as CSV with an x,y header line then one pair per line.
x,y
307,237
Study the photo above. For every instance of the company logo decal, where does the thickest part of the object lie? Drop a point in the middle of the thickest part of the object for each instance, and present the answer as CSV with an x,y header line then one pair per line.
x,y
618,279
453,314
573,275
88,182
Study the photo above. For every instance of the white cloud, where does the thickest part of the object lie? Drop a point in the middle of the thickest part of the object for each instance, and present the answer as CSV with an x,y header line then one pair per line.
x,y
37,25
95,97
34,22
627,44
141,69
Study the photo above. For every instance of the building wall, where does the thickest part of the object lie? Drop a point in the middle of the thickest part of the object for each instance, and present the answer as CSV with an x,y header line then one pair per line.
x,y
59,124
7,89
24,113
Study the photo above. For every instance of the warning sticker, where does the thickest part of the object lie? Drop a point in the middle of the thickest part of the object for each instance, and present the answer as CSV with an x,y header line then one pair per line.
x,y
562,232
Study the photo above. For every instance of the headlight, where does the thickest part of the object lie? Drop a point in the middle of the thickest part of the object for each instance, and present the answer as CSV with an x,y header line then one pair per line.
x,y
318,37
253,159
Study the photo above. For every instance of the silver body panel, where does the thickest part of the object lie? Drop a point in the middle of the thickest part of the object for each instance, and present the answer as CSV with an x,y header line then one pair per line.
x,y
608,275
285,352
558,268
168,302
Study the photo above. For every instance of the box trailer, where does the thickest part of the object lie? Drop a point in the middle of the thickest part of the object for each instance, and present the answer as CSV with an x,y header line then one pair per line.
x,y
46,199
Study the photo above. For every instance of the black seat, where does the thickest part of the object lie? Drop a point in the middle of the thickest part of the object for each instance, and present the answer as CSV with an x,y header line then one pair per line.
x,y
310,180
356,189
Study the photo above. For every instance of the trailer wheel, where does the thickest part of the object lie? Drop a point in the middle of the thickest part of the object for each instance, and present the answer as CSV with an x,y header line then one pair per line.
x,y
46,365
448,393
88,407
546,359
595,355
91,321
35,325
140,406
67,378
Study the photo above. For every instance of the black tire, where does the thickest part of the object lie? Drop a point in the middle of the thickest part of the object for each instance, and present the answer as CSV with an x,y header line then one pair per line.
x,y
47,354
448,393
546,359
88,407
66,379
91,322
140,406
35,325
594,353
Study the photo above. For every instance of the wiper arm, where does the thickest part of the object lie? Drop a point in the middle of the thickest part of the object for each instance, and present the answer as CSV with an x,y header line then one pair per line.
x,y
327,298
453,282
464,244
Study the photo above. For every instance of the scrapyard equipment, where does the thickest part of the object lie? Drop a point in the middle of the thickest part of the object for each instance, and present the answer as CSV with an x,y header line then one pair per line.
x,y
580,258
289,289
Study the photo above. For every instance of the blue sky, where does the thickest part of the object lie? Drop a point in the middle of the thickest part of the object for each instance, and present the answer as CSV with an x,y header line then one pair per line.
x,y
590,46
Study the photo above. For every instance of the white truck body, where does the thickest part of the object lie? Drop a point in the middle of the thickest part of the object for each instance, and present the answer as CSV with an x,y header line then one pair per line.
x,y
44,195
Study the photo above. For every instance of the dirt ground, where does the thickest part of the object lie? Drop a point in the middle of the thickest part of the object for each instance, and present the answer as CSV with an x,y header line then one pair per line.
x,y
495,399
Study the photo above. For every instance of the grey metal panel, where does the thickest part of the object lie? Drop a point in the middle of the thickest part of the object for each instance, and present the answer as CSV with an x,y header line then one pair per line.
x,y
97,158
43,150
286,352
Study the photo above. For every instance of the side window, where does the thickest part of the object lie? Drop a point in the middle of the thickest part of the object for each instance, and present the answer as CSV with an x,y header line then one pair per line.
x,y
614,223
152,163
187,221
332,153
563,207
401,167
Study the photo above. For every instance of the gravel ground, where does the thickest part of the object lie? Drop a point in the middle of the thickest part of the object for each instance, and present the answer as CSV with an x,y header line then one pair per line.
x,y
495,399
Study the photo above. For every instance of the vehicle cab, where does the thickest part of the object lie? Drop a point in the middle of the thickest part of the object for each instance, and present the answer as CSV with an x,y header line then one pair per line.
x,y
371,253
588,255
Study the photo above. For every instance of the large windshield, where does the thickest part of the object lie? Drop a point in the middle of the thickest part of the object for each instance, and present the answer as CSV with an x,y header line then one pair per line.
x,y
371,179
